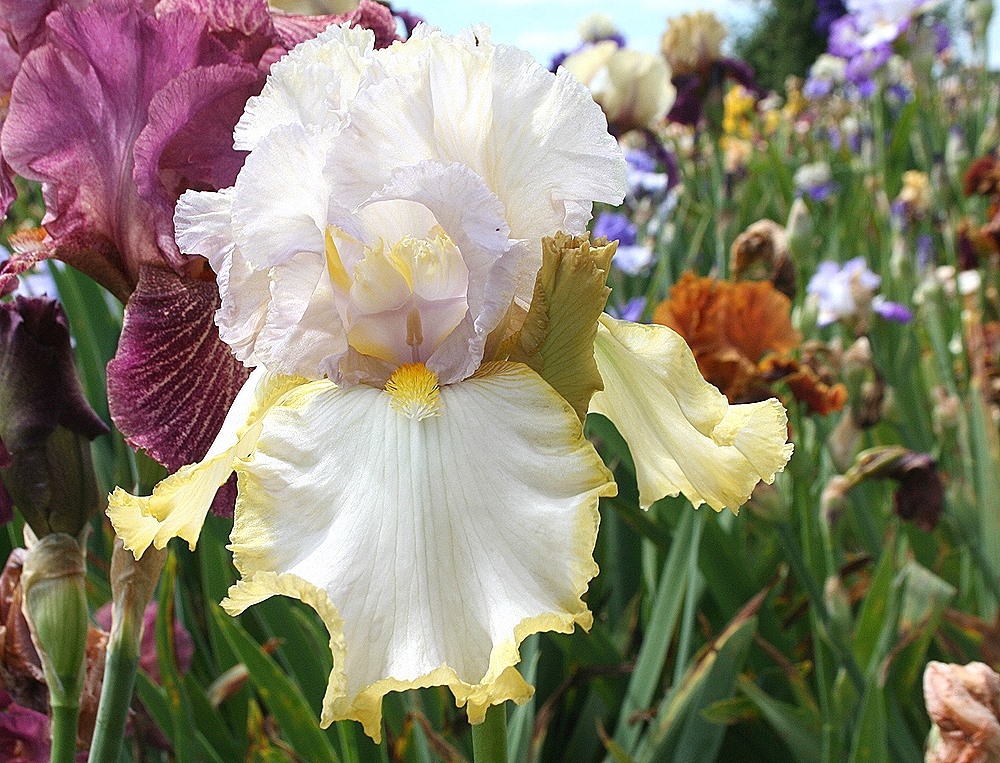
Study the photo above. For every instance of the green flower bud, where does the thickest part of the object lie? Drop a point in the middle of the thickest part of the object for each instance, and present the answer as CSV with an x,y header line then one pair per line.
x,y
55,606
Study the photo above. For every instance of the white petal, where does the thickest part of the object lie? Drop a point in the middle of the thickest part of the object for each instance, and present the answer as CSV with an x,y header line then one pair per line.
x,y
309,86
203,225
430,548
539,141
178,505
683,435
473,217
302,333
281,197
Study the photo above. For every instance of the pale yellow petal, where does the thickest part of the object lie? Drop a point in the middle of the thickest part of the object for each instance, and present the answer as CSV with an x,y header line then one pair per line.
x,y
178,505
431,547
683,434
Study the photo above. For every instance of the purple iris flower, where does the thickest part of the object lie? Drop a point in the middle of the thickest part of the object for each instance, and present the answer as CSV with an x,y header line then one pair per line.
x,y
615,226
841,290
118,107
827,11
814,88
892,311
630,311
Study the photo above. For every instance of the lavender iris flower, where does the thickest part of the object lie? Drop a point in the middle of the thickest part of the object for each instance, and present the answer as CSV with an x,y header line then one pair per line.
x,y
842,291
615,226
891,311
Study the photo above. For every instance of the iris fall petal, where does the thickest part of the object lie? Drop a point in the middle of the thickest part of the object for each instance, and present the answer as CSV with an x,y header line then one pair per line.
x,y
430,547
683,434
178,505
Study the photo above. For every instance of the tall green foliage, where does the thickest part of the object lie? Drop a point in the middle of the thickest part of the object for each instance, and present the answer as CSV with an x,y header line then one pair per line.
x,y
783,42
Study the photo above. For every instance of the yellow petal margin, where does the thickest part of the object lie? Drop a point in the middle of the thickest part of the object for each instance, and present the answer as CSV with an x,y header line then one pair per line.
x,y
178,505
683,434
431,548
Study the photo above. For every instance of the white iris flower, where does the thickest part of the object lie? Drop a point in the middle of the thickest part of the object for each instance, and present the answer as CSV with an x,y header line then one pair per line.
x,y
410,447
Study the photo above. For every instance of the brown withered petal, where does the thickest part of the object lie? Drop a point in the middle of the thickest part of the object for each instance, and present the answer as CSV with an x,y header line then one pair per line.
x,y
983,177
963,702
760,253
730,327
20,669
920,495
805,384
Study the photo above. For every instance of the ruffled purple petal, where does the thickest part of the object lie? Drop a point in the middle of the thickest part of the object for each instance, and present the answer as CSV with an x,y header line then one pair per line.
x,y
172,379
187,143
90,86
369,14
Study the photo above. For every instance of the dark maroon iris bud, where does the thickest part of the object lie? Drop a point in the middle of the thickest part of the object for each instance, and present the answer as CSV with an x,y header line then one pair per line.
x,y
919,498
46,424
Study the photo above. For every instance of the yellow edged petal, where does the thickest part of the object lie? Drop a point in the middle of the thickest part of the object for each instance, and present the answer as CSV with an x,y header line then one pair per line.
x,y
179,503
430,547
683,434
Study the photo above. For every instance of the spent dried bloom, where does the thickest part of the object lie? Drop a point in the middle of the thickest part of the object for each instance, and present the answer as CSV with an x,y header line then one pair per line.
x,y
963,702
919,496
761,252
982,178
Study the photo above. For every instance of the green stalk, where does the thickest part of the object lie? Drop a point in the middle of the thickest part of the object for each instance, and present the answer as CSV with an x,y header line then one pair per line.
x,y
132,585
64,722
690,601
489,738
120,668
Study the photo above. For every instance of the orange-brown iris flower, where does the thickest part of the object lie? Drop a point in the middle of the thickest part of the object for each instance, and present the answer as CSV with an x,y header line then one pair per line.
x,y
742,337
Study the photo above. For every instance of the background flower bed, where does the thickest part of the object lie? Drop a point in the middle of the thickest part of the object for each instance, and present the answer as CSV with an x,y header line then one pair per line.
x,y
796,631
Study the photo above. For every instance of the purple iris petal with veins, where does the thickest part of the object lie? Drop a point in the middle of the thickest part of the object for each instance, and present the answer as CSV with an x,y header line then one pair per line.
x,y
117,109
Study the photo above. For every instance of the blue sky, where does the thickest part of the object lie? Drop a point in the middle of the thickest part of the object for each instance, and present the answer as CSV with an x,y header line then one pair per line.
x,y
544,27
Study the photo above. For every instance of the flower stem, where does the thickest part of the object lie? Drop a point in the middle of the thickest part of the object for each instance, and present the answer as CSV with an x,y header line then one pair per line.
x,y
489,738
116,696
64,722
132,585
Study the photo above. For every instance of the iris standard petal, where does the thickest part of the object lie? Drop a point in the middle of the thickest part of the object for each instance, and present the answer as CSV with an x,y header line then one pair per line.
x,y
683,434
178,505
430,547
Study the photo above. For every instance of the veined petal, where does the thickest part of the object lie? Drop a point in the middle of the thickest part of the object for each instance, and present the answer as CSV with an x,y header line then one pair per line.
x,y
683,434
178,505
428,557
